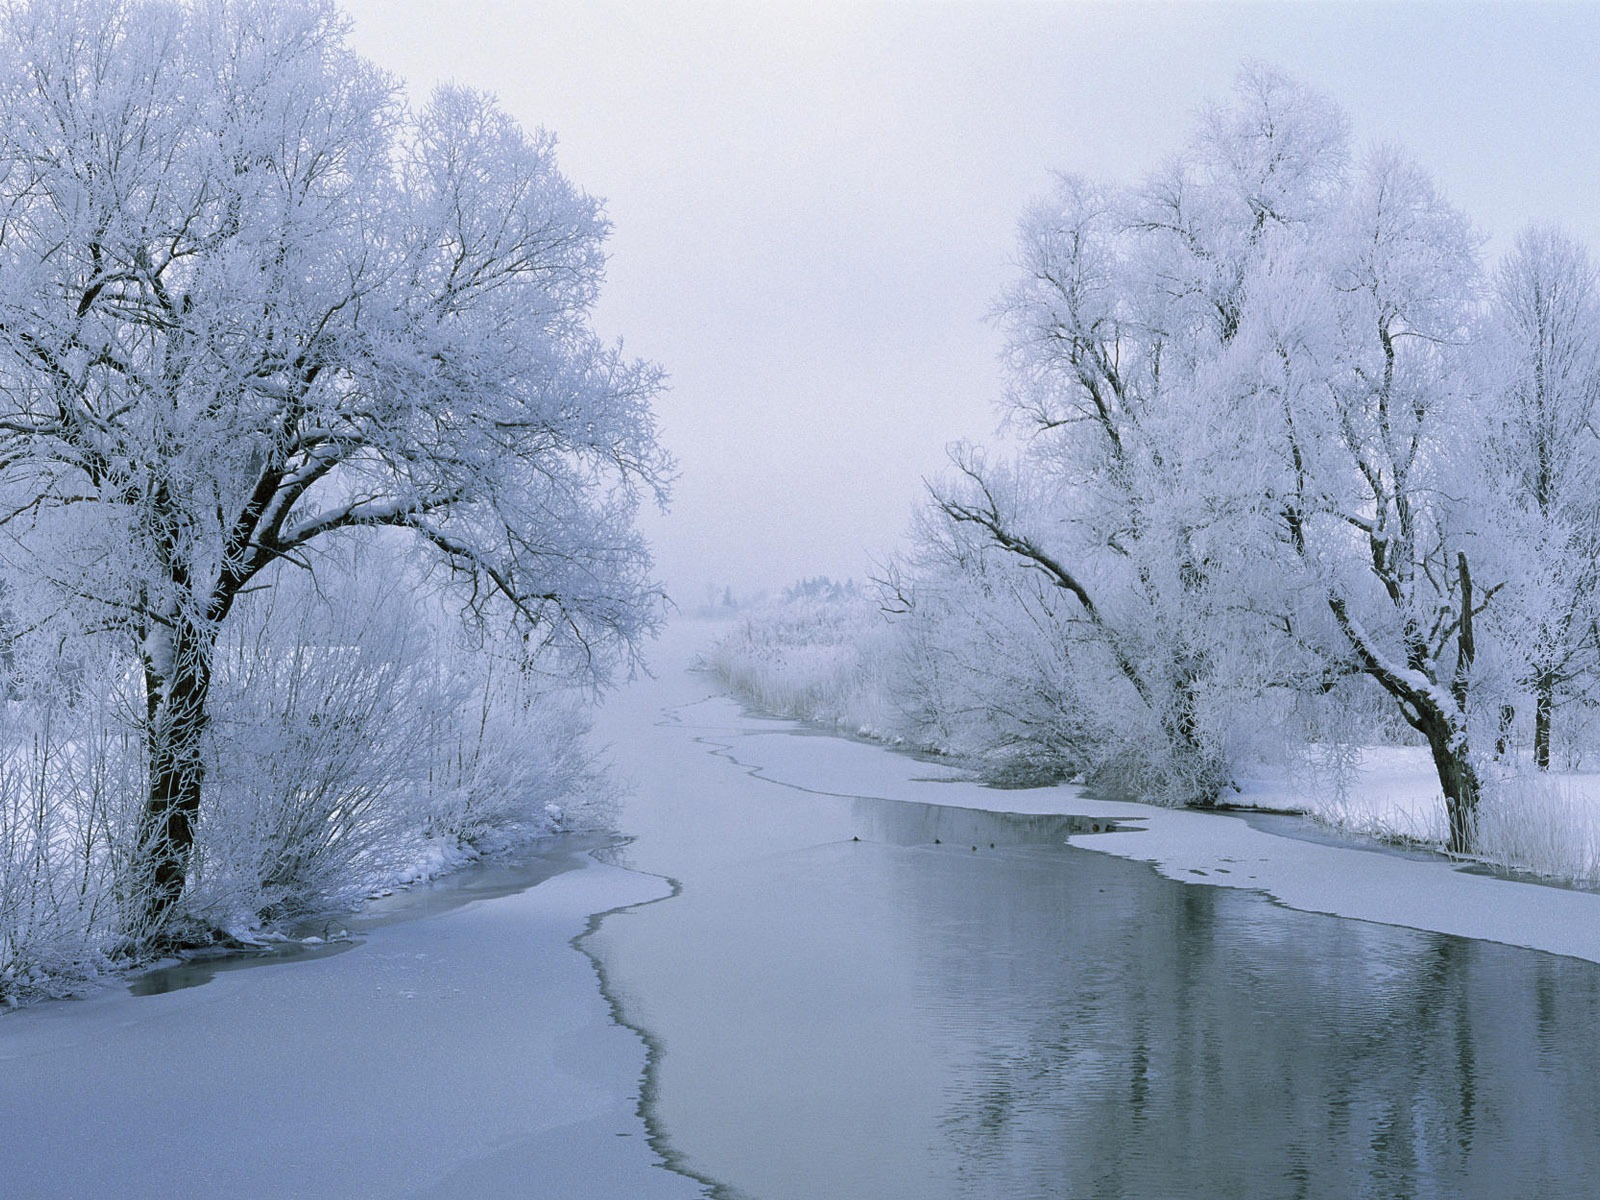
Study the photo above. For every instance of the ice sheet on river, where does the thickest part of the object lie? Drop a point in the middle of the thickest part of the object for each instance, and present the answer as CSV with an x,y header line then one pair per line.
x,y
465,1054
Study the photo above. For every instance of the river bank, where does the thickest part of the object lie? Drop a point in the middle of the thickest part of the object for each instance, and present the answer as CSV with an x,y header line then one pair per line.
x,y
1350,877
461,1051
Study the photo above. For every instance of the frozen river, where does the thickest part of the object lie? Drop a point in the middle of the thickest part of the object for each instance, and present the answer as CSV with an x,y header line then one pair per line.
x,y
826,971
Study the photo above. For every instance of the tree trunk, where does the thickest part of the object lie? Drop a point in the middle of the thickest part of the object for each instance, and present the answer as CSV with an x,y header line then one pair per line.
x,y
177,687
1202,775
1459,781
1544,697
1502,741
1426,712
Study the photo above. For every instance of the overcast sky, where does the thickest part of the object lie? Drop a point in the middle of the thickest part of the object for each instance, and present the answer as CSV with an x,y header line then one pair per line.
x,y
815,205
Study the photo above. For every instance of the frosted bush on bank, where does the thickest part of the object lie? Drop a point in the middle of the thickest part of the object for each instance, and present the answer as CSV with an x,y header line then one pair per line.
x,y
956,674
70,775
1000,695
360,740
823,652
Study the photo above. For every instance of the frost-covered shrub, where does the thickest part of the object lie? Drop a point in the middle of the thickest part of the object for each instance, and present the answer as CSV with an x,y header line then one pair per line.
x,y
360,738
821,652
1577,733
958,671
357,738
71,767
986,677
316,752
513,756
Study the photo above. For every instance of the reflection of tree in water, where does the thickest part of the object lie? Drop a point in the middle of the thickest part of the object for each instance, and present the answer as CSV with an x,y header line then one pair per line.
x,y
1124,1035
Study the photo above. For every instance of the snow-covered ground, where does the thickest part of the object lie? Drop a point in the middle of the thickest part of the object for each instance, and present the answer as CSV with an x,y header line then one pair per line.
x,y
465,1054
1389,790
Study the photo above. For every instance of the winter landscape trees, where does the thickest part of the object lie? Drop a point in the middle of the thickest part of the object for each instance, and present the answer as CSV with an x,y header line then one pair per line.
x,y
1286,451
294,376
255,309
1542,358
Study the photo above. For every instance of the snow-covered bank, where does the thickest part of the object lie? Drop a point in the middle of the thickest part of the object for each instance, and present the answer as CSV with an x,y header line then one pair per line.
x,y
1542,823
832,661
466,1054
1197,847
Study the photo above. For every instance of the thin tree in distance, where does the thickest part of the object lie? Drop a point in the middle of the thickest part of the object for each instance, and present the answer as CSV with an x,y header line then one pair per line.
x,y
1542,356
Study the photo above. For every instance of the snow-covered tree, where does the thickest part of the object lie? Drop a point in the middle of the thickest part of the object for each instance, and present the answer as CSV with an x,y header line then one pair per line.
x,y
250,302
1360,345
1542,360
1138,504
1253,462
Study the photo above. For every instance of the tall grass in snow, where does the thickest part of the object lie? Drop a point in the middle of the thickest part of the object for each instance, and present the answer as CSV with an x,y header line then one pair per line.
x,y
1546,824
823,652
70,773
